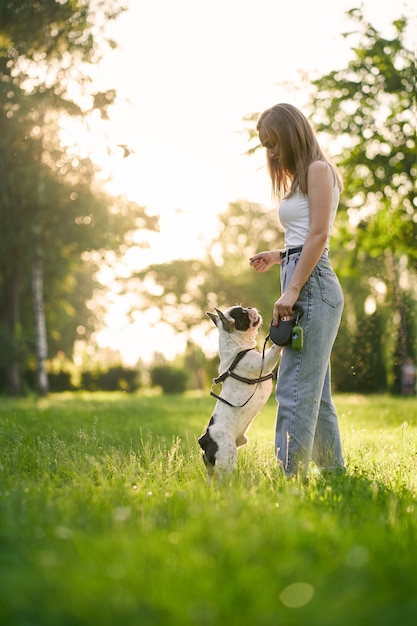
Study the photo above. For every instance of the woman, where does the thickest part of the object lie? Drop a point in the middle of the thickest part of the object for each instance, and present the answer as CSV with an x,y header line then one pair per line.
x,y
308,186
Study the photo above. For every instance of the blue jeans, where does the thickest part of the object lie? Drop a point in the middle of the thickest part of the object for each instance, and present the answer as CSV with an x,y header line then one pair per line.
x,y
307,426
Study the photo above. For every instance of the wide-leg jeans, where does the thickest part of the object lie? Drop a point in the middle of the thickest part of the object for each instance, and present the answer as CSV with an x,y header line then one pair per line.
x,y
307,424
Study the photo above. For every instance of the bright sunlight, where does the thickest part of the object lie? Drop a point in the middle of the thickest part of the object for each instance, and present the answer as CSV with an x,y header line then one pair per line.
x,y
184,84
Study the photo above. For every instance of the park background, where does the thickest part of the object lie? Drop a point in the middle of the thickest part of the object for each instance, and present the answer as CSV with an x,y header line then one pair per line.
x,y
128,207
134,192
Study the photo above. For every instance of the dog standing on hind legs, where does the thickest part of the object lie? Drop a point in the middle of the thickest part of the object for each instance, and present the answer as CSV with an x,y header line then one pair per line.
x,y
246,375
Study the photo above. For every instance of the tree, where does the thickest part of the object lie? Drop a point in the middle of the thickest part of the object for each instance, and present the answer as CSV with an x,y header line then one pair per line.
x,y
53,214
184,290
366,113
369,109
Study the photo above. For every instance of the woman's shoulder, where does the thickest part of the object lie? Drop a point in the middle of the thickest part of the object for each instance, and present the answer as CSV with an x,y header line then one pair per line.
x,y
319,166
321,171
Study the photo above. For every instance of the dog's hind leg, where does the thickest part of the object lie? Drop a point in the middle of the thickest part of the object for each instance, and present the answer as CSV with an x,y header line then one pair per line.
x,y
219,458
226,457
210,448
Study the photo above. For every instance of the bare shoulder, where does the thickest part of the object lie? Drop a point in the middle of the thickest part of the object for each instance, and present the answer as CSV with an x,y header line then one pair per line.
x,y
319,171
319,167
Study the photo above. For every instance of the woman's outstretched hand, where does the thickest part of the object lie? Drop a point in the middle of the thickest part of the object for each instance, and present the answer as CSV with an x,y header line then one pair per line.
x,y
262,261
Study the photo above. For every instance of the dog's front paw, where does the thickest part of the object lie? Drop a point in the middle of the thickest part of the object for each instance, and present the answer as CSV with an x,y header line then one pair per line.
x,y
242,440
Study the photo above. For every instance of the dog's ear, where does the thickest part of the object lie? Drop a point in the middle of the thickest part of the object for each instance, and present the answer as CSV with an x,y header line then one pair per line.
x,y
228,324
214,318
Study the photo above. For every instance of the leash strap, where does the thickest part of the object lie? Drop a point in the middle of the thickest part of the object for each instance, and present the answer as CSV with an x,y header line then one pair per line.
x,y
229,372
249,381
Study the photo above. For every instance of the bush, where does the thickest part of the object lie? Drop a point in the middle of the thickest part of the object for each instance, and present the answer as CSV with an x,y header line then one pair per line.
x,y
358,364
60,381
117,378
172,379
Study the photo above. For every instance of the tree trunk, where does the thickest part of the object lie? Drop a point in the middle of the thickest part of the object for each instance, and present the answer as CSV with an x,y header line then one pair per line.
x,y
41,343
12,313
40,322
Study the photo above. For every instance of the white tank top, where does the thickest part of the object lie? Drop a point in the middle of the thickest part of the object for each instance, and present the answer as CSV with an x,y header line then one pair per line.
x,y
294,215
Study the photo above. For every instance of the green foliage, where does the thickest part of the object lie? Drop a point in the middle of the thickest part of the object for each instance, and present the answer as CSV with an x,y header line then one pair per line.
x,y
369,108
195,363
185,290
106,518
359,365
115,378
366,113
50,202
171,378
58,381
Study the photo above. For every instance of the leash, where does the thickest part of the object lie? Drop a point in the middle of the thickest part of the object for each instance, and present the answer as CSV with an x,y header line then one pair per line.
x,y
242,379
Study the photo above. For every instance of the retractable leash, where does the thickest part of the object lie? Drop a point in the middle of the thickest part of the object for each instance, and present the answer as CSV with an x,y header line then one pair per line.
x,y
242,379
288,331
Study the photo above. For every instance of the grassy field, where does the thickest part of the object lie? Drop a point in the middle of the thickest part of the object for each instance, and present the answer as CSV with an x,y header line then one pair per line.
x,y
106,519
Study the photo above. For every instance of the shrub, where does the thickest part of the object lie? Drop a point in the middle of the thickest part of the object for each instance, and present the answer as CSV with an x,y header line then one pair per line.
x,y
116,378
60,381
172,379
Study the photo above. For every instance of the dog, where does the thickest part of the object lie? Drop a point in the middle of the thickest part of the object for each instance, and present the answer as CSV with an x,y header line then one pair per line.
x,y
246,375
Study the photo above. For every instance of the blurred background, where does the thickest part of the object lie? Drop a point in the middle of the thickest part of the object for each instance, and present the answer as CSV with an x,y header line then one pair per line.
x,y
133,190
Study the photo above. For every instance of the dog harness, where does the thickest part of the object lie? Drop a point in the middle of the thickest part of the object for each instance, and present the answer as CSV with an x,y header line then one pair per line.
x,y
242,379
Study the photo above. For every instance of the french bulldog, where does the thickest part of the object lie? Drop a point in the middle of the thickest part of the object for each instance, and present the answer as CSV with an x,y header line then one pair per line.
x,y
246,376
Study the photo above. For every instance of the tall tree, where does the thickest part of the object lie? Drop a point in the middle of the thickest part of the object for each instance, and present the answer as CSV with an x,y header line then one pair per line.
x,y
367,113
369,108
52,211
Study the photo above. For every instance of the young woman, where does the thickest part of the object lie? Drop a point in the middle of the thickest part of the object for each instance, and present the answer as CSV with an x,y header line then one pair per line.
x,y
308,186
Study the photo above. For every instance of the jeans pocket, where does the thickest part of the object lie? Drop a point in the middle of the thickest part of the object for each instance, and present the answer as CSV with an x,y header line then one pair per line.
x,y
330,288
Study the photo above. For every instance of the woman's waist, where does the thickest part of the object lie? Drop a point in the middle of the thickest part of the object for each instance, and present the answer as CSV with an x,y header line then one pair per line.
x,y
289,251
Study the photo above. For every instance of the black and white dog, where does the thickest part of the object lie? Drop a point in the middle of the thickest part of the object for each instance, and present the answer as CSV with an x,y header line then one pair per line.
x,y
246,377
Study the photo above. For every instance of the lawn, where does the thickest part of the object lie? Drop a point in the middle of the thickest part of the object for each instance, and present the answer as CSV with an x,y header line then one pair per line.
x,y
106,519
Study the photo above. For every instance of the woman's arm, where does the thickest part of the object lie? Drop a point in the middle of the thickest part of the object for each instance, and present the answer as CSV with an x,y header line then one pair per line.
x,y
264,260
320,194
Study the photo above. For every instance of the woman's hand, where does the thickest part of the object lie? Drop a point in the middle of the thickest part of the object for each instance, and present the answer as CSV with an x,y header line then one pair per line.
x,y
284,306
262,261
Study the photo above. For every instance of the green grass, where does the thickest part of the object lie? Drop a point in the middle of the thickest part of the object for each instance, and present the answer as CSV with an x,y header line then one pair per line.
x,y
106,519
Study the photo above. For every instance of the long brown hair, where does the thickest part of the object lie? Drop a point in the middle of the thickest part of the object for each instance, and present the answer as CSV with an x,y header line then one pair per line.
x,y
288,128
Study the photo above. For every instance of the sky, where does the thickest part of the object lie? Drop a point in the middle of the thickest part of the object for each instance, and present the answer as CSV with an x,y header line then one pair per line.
x,y
186,73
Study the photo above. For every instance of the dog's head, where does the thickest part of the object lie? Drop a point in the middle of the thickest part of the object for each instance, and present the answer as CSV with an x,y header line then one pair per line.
x,y
238,324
